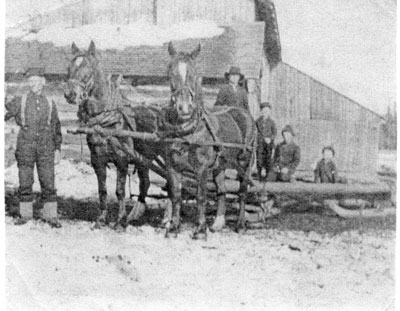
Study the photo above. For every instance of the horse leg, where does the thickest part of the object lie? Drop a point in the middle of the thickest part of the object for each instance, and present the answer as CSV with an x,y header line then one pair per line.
x,y
175,194
219,221
101,173
122,170
201,203
241,224
144,185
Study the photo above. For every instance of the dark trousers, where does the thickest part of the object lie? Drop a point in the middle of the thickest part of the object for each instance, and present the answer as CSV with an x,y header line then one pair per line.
x,y
264,157
277,176
44,160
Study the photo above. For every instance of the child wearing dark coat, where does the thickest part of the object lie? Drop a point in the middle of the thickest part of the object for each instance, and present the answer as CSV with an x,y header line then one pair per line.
x,y
326,171
286,159
266,128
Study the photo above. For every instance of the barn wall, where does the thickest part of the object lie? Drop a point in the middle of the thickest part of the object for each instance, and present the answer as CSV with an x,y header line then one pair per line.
x,y
223,12
322,116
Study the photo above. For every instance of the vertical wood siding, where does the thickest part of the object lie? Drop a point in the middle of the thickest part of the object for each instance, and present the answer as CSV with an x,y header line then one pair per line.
x,y
321,116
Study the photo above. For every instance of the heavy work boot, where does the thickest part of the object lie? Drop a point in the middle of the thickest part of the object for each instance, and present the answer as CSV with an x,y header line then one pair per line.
x,y
26,212
50,215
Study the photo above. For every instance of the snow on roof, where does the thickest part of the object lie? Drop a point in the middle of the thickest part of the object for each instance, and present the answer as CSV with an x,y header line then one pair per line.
x,y
348,45
112,36
18,11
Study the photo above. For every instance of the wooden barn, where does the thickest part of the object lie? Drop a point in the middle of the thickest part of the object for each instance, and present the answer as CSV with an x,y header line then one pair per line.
x,y
319,114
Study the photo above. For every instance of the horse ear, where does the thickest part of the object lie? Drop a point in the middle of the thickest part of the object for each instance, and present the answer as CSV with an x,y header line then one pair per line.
x,y
196,52
171,49
92,48
74,48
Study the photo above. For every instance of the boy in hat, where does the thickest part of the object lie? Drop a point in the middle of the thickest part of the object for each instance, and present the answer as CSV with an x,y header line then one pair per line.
x,y
326,171
233,94
266,128
286,159
39,142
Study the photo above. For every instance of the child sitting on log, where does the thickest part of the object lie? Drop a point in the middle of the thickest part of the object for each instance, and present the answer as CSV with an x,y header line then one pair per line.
x,y
286,159
326,171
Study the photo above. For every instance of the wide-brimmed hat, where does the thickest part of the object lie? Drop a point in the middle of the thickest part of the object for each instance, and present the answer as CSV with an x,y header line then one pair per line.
x,y
234,71
329,148
265,105
34,71
288,128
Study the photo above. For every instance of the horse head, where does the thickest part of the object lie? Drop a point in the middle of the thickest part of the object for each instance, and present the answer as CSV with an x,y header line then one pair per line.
x,y
184,82
84,86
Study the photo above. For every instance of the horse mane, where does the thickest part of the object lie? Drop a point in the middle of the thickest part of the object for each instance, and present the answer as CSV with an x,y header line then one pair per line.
x,y
105,89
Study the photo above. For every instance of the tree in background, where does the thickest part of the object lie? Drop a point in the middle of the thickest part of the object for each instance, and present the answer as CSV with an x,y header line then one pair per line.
x,y
388,131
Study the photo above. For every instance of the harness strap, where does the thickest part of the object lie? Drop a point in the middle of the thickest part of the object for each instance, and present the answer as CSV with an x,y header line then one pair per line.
x,y
23,108
210,127
50,112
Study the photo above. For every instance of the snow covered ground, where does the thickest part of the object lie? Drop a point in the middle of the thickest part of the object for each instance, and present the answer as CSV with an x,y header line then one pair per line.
x,y
76,268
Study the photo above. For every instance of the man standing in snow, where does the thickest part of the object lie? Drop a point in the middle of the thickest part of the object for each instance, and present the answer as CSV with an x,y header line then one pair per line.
x,y
233,94
39,142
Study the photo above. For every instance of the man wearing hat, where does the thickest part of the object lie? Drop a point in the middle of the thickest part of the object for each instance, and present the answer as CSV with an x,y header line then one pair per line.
x,y
39,142
233,94
286,159
266,128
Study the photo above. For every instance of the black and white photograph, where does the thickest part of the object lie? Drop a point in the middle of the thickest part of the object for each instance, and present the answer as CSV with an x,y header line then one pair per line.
x,y
199,155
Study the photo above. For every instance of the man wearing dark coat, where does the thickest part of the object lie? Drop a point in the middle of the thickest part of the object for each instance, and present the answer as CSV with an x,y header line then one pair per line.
x,y
266,129
233,94
38,143
286,159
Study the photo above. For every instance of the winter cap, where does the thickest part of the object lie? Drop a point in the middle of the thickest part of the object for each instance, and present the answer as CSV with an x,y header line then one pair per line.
x,y
265,105
329,148
289,129
234,71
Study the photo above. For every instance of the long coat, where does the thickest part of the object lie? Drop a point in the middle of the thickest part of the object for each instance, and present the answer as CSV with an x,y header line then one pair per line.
x,y
227,96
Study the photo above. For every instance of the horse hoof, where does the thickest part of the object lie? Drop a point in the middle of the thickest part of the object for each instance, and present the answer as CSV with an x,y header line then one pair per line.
x,y
134,223
200,233
98,225
118,227
219,224
241,229
137,211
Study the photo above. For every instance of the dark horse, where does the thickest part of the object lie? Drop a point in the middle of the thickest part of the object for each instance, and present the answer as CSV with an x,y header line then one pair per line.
x,y
96,95
224,138
193,141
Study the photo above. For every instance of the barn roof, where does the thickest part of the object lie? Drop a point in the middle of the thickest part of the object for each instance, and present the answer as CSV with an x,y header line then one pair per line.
x,y
233,47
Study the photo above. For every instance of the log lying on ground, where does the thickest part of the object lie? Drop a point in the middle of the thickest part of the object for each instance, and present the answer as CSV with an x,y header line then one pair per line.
x,y
318,192
365,213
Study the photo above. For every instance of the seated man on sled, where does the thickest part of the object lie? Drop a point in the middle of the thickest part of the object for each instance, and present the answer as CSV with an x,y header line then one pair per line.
x,y
286,159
